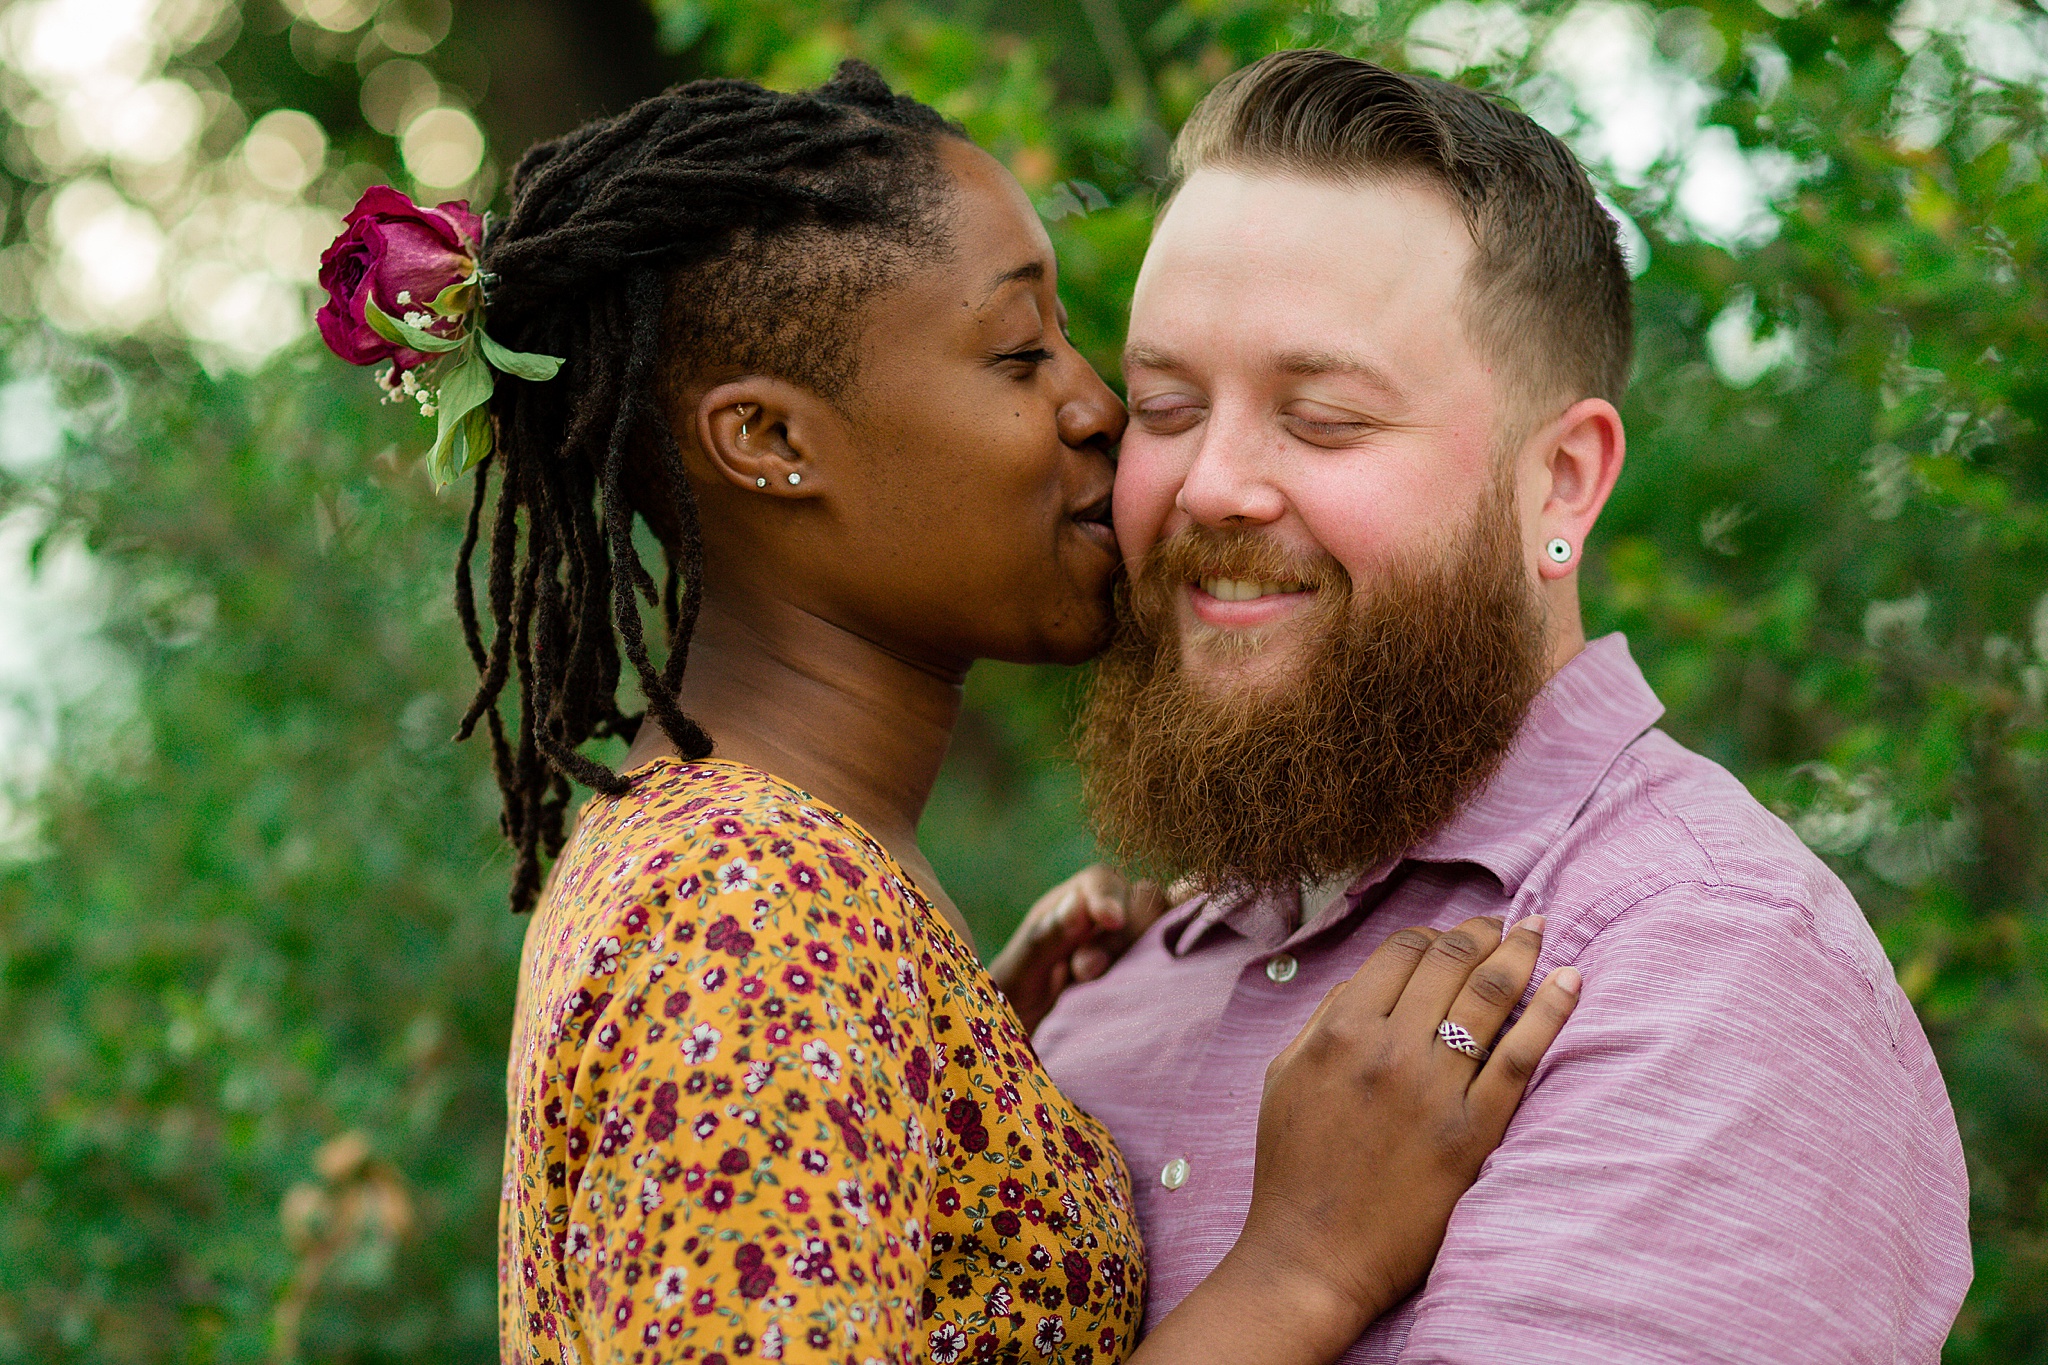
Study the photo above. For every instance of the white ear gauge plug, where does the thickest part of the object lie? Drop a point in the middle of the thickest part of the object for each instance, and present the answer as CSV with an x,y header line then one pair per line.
x,y
1559,550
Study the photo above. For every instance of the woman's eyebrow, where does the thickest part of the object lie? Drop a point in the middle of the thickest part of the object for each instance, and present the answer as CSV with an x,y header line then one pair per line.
x,y
1033,271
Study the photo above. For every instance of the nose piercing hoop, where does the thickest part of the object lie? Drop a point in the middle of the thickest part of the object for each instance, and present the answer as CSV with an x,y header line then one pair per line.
x,y
1559,550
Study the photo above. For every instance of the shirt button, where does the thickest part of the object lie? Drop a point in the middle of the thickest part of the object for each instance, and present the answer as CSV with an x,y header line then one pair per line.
x,y
1281,969
1176,1173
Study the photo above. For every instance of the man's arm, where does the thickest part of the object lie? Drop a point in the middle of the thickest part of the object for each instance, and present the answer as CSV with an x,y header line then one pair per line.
x,y
1727,1156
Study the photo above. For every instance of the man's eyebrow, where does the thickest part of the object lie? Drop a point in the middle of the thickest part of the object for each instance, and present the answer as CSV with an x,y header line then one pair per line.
x,y
1147,358
1033,271
1310,363
1306,363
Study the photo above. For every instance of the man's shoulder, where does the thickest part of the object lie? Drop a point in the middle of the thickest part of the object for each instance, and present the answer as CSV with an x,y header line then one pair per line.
x,y
1670,838
1666,816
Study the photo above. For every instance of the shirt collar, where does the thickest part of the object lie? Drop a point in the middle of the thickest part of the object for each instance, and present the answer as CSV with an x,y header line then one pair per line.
x,y
1593,708
1586,715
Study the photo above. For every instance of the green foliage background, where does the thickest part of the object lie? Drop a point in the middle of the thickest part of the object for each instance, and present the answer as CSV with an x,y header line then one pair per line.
x,y
255,987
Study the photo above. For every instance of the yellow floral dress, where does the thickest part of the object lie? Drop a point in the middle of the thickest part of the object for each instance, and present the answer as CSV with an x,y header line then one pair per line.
x,y
765,1104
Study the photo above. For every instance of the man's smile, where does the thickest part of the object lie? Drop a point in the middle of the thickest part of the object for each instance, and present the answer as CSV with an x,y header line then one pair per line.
x,y
1244,603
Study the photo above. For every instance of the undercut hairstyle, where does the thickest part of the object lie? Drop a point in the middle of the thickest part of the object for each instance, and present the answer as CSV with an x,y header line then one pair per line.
x,y
717,228
1547,295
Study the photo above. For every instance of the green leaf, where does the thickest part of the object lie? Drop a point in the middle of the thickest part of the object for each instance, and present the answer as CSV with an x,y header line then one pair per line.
x,y
401,333
523,364
464,437
457,299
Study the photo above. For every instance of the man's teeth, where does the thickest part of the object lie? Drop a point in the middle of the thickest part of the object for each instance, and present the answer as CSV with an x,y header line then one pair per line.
x,y
1244,589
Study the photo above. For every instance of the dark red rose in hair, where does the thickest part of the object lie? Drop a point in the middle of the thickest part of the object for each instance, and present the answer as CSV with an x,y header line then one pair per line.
x,y
402,256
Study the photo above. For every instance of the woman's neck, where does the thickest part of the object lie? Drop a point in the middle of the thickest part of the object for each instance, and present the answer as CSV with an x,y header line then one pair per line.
x,y
783,690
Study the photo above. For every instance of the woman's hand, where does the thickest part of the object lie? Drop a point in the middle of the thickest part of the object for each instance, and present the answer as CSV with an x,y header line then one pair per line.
x,y
1370,1130
1074,932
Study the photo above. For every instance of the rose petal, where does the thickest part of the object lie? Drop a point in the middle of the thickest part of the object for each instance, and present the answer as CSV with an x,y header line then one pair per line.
x,y
413,260
467,226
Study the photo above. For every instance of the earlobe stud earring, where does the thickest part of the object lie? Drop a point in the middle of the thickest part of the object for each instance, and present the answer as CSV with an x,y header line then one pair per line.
x,y
1560,551
795,479
760,483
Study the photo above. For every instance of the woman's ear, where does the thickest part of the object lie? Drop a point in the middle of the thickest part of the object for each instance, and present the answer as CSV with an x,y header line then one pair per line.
x,y
768,435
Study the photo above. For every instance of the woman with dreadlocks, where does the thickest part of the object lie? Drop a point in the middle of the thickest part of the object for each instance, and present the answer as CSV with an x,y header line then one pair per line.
x,y
764,1099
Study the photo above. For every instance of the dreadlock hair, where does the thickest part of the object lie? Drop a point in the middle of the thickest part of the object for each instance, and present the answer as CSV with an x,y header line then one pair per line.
x,y
718,224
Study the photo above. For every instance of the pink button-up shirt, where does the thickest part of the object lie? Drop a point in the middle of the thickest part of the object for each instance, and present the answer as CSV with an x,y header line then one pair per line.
x,y
1739,1149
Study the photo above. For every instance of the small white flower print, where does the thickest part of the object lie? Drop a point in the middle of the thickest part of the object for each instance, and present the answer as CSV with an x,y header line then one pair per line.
x,y
668,1287
856,1201
739,875
771,1342
906,977
580,1242
604,958
1050,1334
650,1195
758,1075
825,1064
702,1045
948,1344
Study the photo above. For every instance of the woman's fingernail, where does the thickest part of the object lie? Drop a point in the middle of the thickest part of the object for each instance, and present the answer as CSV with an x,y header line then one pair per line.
x,y
1567,979
1534,924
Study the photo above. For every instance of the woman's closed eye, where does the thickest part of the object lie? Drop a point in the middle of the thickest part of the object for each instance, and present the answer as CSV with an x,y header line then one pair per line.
x,y
1026,360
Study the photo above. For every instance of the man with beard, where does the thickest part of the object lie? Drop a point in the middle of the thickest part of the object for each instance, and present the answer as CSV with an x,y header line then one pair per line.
x,y
1374,354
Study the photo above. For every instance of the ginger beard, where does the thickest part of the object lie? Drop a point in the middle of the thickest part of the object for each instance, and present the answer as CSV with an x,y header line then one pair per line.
x,y
1402,706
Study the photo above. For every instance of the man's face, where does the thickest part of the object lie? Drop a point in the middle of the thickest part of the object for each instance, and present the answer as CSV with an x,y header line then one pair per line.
x,y
1299,374
1331,631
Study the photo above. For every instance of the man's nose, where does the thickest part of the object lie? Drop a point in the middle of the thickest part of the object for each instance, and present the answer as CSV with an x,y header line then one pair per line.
x,y
1229,482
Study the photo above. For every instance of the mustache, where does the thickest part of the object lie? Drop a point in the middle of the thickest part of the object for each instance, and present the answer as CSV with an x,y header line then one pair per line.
x,y
1198,552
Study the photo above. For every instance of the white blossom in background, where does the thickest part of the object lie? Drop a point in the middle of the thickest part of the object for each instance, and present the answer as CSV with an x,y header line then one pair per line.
x,y
1458,35
2002,40
67,695
1741,352
144,236
1629,92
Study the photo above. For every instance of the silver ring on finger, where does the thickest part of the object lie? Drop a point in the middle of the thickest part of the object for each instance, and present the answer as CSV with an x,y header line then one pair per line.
x,y
1457,1040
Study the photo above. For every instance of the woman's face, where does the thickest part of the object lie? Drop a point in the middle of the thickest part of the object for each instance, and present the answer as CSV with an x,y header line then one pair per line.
x,y
957,507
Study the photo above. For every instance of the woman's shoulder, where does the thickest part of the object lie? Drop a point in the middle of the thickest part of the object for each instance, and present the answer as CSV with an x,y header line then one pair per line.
x,y
686,831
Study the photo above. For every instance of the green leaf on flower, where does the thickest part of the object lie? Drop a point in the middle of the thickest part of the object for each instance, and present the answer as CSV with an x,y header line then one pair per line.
x,y
523,364
401,333
463,389
457,299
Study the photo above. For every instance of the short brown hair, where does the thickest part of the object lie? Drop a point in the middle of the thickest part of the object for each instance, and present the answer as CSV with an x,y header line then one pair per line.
x,y
1548,292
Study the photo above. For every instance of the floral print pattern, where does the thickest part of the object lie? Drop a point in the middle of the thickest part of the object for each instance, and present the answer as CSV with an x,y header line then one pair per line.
x,y
766,1104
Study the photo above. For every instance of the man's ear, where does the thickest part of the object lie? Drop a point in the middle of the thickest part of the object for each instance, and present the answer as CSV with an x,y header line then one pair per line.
x,y
768,436
1581,457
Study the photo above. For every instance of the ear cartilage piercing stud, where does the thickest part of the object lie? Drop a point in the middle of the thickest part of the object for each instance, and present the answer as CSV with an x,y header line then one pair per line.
x,y
760,483
1560,551
795,479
